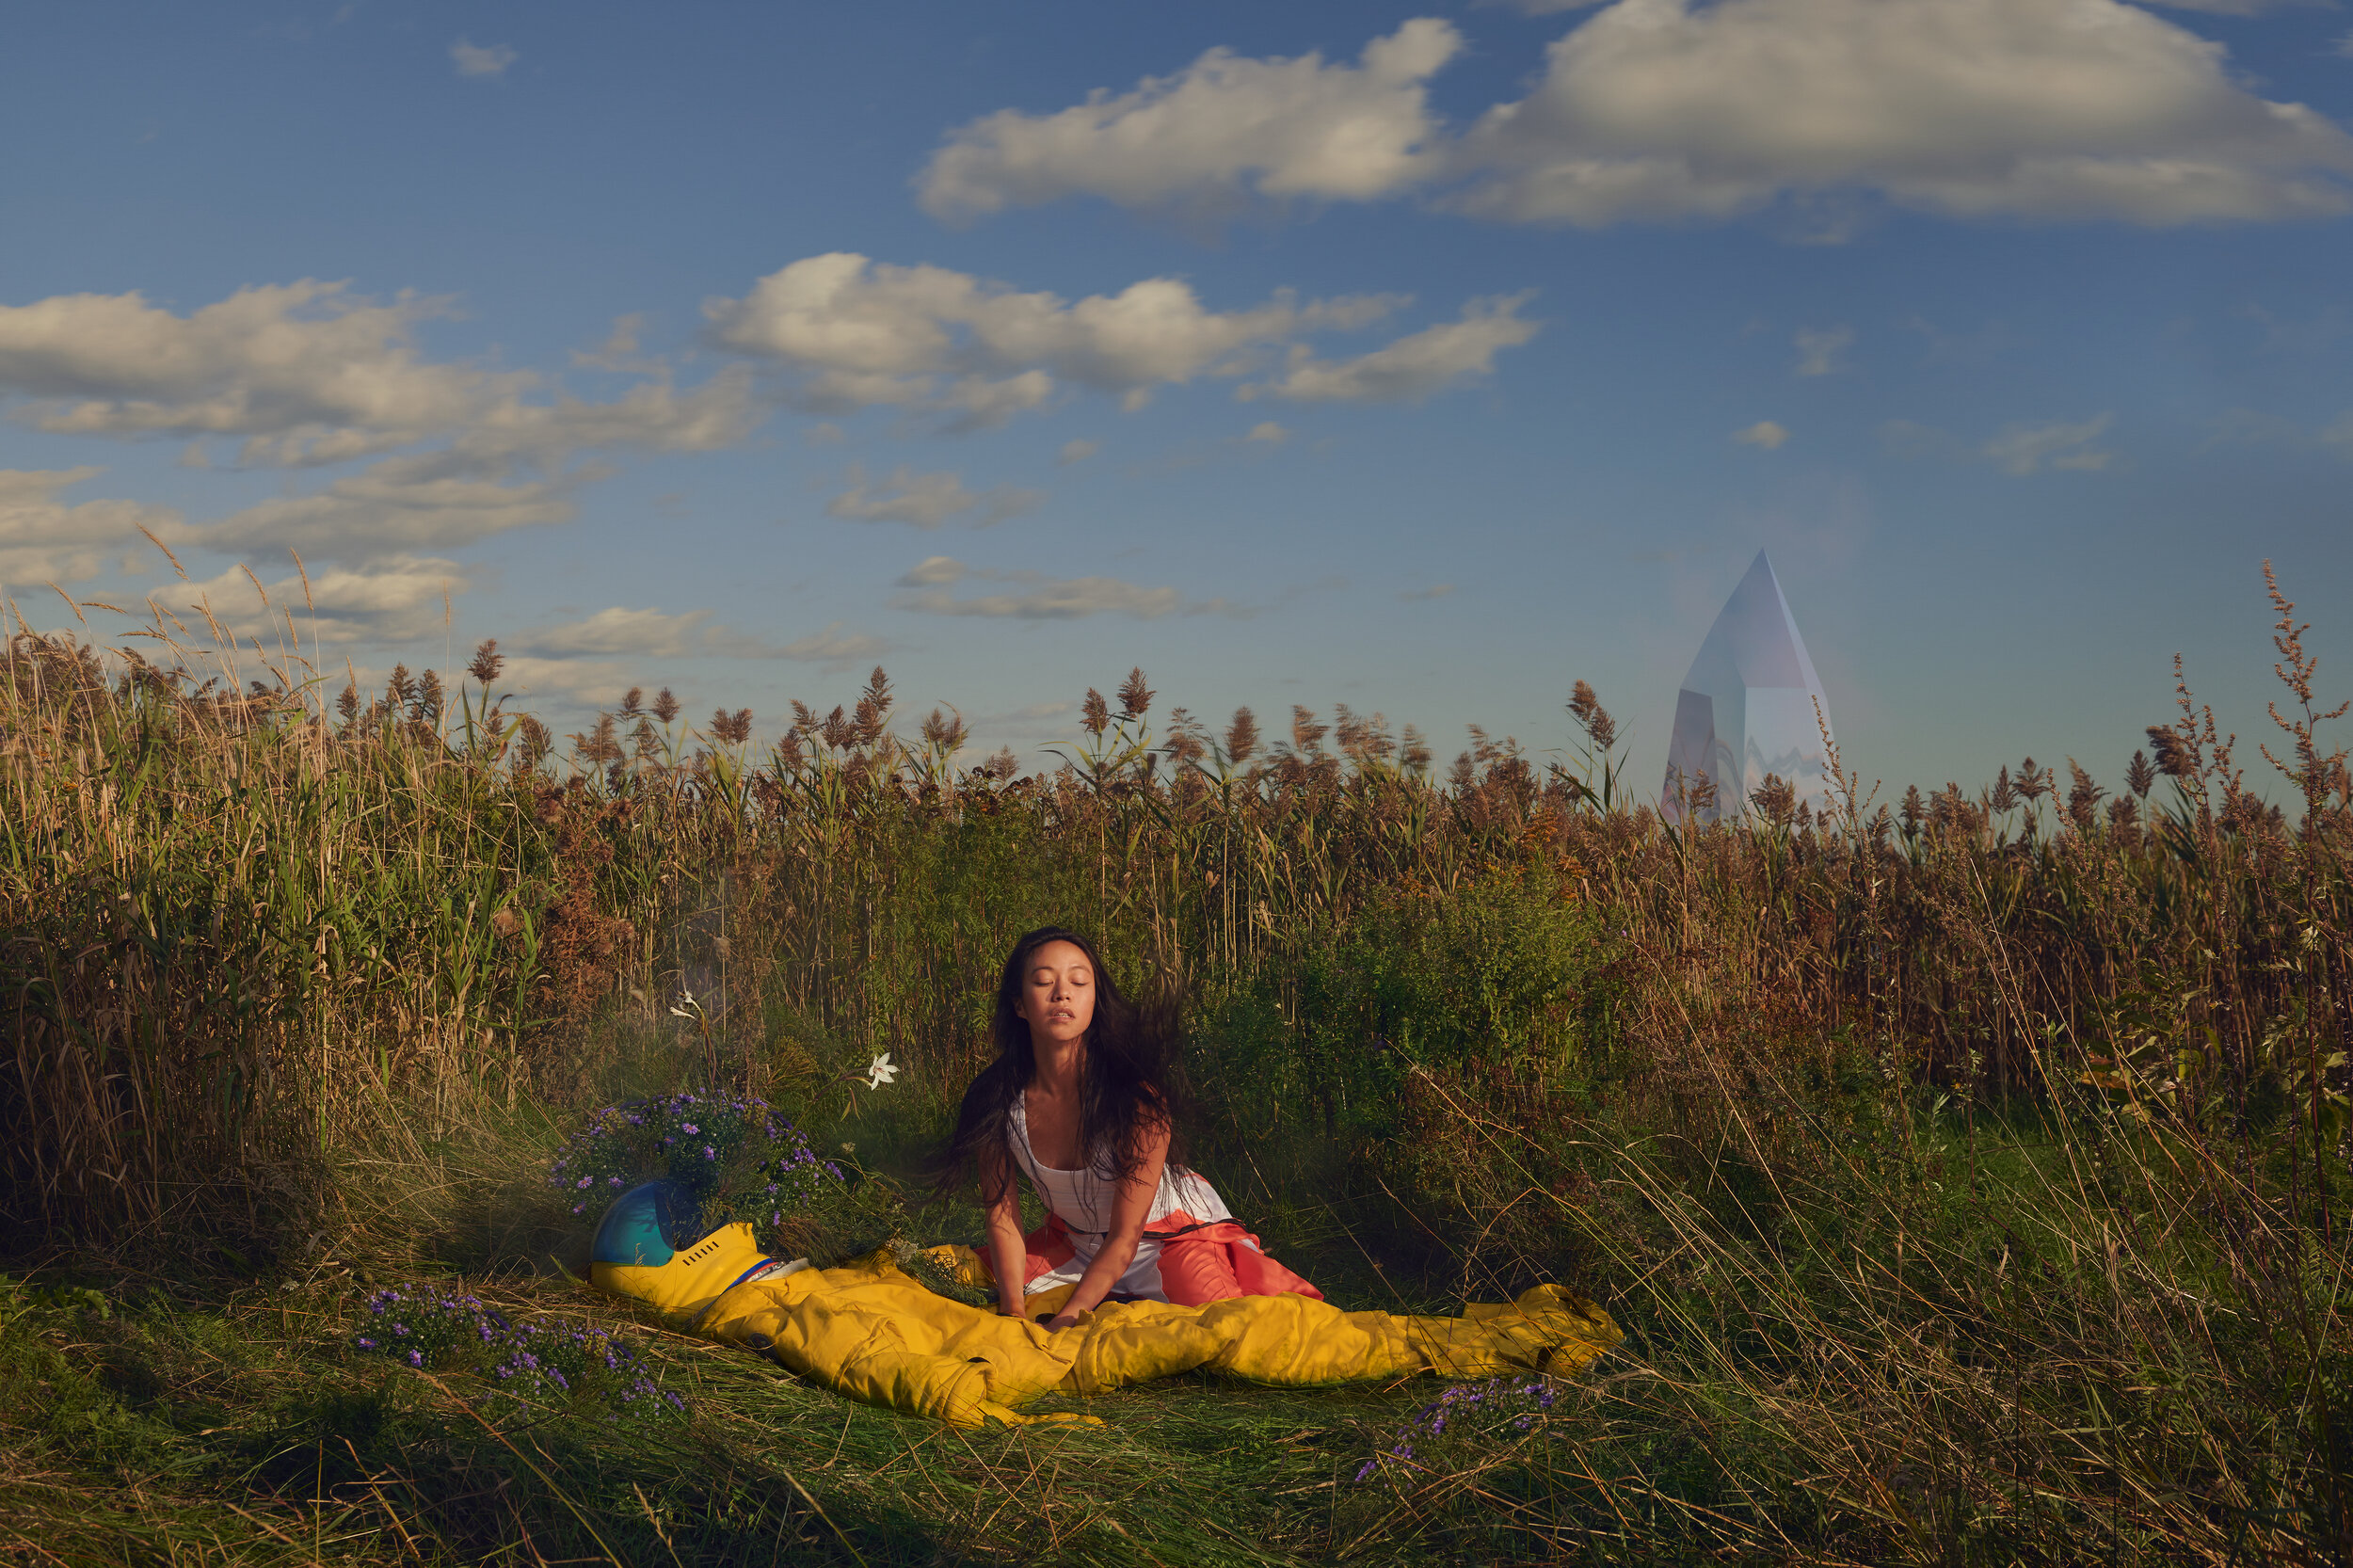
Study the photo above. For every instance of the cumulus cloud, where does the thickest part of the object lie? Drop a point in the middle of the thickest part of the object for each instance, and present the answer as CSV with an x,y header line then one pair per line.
x,y
398,600
931,572
1224,130
1268,432
865,334
835,647
1077,451
1764,433
1818,349
1675,109
1413,366
2024,448
482,59
2236,7
44,539
2019,450
690,634
388,510
269,361
310,374
590,682
927,499
1035,596
2037,108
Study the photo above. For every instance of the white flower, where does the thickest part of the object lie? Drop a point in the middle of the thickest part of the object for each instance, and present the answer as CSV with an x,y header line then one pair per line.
x,y
880,1071
686,1008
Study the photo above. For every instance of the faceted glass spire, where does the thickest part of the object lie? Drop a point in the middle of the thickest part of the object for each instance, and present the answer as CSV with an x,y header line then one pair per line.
x,y
1746,708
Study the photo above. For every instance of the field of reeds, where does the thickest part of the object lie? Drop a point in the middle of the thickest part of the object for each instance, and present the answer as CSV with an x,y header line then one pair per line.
x,y
1968,1168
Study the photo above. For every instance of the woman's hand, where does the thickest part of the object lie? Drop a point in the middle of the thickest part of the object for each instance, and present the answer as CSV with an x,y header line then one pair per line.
x,y
1060,1320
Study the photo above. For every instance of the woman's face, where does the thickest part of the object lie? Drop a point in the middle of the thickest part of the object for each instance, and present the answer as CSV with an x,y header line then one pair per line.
x,y
1058,994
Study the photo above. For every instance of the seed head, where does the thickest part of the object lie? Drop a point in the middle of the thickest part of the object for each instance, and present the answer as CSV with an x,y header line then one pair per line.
x,y
1135,697
1592,717
1241,736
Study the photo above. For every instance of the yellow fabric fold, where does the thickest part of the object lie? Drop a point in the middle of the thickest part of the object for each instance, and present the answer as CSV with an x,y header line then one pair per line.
x,y
870,1332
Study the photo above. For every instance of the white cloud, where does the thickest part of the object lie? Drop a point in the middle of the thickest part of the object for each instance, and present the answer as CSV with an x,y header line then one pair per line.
x,y
2018,450
310,375
1268,432
2039,109
1818,349
45,539
401,599
1413,366
1077,451
927,499
2021,449
645,633
834,647
1672,109
619,349
931,572
690,634
1037,596
591,683
1764,433
869,334
2235,7
269,361
389,509
482,59
1224,130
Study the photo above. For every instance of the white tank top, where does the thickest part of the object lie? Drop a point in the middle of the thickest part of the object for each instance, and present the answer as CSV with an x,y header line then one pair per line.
x,y
1083,1199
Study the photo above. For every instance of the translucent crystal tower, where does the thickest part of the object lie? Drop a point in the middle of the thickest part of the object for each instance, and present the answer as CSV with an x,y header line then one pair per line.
x,y
1746,708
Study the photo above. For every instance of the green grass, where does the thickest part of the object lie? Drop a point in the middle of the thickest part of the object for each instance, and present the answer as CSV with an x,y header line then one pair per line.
x,y
1972,1188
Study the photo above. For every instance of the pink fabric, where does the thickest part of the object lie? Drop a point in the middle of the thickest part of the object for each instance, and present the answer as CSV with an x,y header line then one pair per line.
x,y
1213,1263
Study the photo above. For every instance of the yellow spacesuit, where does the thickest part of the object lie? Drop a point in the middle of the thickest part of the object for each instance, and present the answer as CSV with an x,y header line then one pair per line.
x,y
871,1332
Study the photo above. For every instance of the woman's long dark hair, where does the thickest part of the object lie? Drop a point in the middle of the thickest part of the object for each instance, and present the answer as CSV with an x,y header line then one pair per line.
x,y
1126,1083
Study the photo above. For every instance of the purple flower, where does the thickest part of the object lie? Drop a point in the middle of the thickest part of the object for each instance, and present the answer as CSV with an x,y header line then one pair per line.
x,y
416,1358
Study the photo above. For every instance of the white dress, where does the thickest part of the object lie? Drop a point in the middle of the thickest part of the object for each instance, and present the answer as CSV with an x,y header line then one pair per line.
x,y
1083,1200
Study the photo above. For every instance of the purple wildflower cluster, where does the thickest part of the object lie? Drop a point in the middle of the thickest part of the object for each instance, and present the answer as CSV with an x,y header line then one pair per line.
x,y
537,1361
1466,1419
735,1147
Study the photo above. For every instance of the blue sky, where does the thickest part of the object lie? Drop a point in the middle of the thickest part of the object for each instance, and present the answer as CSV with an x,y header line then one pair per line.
x,y
1421,358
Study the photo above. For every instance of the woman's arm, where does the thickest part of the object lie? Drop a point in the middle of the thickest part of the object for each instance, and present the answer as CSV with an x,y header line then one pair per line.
x,y
1007,1257
1129,1211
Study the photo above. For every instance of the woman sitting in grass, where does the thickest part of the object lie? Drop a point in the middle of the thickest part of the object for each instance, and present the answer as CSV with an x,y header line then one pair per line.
x,y
1075,1099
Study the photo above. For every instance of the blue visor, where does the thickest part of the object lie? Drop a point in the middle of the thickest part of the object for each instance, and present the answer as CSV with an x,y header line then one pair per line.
x,y
647,1225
